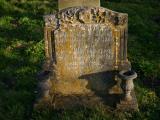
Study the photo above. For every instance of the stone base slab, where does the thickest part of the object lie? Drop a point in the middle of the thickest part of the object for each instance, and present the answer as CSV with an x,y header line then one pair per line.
x,y
108,102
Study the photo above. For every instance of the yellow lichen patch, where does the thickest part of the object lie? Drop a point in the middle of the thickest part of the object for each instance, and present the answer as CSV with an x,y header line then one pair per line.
x,y
71,87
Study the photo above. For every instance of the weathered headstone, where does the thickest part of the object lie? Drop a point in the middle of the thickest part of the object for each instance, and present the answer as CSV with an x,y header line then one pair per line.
x,y
85,48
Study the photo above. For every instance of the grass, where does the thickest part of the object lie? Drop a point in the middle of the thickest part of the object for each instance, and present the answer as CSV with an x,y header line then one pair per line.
x,y
22,55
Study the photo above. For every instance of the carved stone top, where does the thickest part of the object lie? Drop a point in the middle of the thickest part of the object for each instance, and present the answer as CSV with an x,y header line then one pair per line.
x,y
86,15
72,3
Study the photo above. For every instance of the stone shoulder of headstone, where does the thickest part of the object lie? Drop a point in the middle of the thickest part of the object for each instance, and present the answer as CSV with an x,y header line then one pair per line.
x,y
51,20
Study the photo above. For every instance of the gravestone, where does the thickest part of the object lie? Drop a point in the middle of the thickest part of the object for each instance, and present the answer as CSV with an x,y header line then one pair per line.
x,y
86,47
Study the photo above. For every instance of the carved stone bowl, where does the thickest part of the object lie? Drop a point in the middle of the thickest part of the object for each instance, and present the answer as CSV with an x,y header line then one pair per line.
x,y
127,74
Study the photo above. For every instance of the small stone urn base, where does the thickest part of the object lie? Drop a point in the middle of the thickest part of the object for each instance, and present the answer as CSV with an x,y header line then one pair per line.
x,y
128,99
128,105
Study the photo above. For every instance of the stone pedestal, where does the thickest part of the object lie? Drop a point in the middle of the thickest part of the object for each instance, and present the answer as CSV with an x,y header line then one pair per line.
x,y
62,4
128,99
131,105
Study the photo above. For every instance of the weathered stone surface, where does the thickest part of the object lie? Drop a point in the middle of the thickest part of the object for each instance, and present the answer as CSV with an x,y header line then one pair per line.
x,y
85,47
73,3
86,44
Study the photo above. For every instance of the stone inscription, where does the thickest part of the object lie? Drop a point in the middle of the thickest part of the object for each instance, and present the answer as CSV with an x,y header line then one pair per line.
x,y
83,49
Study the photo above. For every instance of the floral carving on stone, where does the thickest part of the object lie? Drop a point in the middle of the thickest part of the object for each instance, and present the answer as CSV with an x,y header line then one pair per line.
x,y
86,15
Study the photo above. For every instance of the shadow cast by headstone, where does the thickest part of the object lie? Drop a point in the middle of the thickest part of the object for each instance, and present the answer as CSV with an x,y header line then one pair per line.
x,y
101,83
